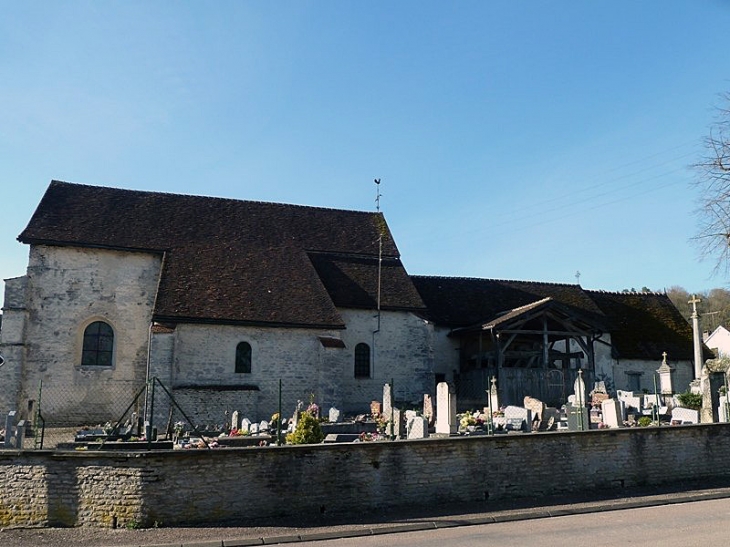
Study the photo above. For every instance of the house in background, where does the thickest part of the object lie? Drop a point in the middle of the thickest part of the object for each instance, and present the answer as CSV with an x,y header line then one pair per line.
x,y
719,341
225,300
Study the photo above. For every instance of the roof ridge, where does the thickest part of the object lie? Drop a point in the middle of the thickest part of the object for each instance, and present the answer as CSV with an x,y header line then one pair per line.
x,y
217,198
467,278
629,293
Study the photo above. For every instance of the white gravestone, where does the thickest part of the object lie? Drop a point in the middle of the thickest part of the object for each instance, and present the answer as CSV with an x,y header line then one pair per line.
x,y
723,410
685,415
517,418
631,400
417,427
387,401
334,415
235,420
445,410
246,425
613,412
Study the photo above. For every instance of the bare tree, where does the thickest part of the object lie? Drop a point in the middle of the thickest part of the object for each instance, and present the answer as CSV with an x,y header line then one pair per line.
x,y
713,182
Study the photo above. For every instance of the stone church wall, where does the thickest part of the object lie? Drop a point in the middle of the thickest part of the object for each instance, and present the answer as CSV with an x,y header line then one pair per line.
x,y
401,352
206,385
188,487
14,322
67,289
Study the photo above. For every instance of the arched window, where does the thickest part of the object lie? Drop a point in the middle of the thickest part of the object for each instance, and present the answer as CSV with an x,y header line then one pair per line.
x,y
362,361
243,358
98,348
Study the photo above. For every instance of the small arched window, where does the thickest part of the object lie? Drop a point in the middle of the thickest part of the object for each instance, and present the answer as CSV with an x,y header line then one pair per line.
x,y
243,358
98,348
362,361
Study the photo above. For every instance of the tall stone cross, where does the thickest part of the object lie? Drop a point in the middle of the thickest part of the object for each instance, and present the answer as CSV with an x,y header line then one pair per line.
x,y
696,335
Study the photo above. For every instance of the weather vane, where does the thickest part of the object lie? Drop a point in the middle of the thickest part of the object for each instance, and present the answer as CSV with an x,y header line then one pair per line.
x,y
377,195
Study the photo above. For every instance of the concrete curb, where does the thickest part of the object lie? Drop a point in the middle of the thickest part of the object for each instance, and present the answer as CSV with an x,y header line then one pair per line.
x,y
457,521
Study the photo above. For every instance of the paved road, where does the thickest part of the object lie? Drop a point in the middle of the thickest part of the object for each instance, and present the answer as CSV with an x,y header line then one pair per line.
x,y
681,525
682,514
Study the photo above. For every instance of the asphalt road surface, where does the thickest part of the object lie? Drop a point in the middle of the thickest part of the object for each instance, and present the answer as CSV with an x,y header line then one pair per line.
x,y
681,525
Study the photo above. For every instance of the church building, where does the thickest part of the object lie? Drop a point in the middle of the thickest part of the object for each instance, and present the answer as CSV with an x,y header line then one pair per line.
x,y
235,305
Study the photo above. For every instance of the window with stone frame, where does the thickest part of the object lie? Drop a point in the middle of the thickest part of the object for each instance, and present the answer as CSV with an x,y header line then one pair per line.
x,y
243,358
98,345
362,361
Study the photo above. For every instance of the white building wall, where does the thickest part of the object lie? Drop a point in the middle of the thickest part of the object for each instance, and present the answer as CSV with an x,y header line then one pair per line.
x,y
639,374
68,288
206,384
446,353
719,341
401,352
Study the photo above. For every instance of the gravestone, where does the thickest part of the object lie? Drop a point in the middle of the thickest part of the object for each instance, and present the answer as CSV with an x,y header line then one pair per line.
x,y
550,418
494,395
428,408
613,412
597,398
20,435
376,409
235,420
537,408
682,415
578,419
263,426
631,400
417,427
387,400
517,418
395,428
334,415
723,409
579,389
254,429
445,409
245,425
9,428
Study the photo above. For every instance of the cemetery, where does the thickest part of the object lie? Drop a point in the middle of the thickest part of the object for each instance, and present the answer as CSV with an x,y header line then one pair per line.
x,y
427,455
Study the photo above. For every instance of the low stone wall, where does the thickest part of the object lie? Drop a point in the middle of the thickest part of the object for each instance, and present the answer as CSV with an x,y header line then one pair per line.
x,y
174,488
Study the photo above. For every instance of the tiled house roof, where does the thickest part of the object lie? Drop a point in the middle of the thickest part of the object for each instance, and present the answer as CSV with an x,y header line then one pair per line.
x,y
460,302
644,325
234,261
641,325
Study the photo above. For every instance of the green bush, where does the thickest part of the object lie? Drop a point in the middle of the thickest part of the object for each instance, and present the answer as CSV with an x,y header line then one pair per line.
x,y
308,431
644,421
690,400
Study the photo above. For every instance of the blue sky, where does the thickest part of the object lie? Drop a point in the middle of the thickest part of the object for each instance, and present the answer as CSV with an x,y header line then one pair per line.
x,y
515,139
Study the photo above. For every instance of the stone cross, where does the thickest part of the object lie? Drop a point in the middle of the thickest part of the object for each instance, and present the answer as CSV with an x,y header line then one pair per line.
x,y
696,335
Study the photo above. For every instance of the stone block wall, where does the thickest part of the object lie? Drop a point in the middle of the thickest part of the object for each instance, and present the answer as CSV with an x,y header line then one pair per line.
x,y
178,488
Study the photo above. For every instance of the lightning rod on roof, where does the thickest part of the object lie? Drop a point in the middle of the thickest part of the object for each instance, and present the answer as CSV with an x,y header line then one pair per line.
x,y
377,194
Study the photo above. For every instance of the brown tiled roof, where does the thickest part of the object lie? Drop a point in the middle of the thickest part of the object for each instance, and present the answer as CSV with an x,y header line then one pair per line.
x,y
460,302
226,260
352,282
644,325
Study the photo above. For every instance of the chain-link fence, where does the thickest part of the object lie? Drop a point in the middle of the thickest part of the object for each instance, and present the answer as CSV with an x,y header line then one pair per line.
x,y
103,415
